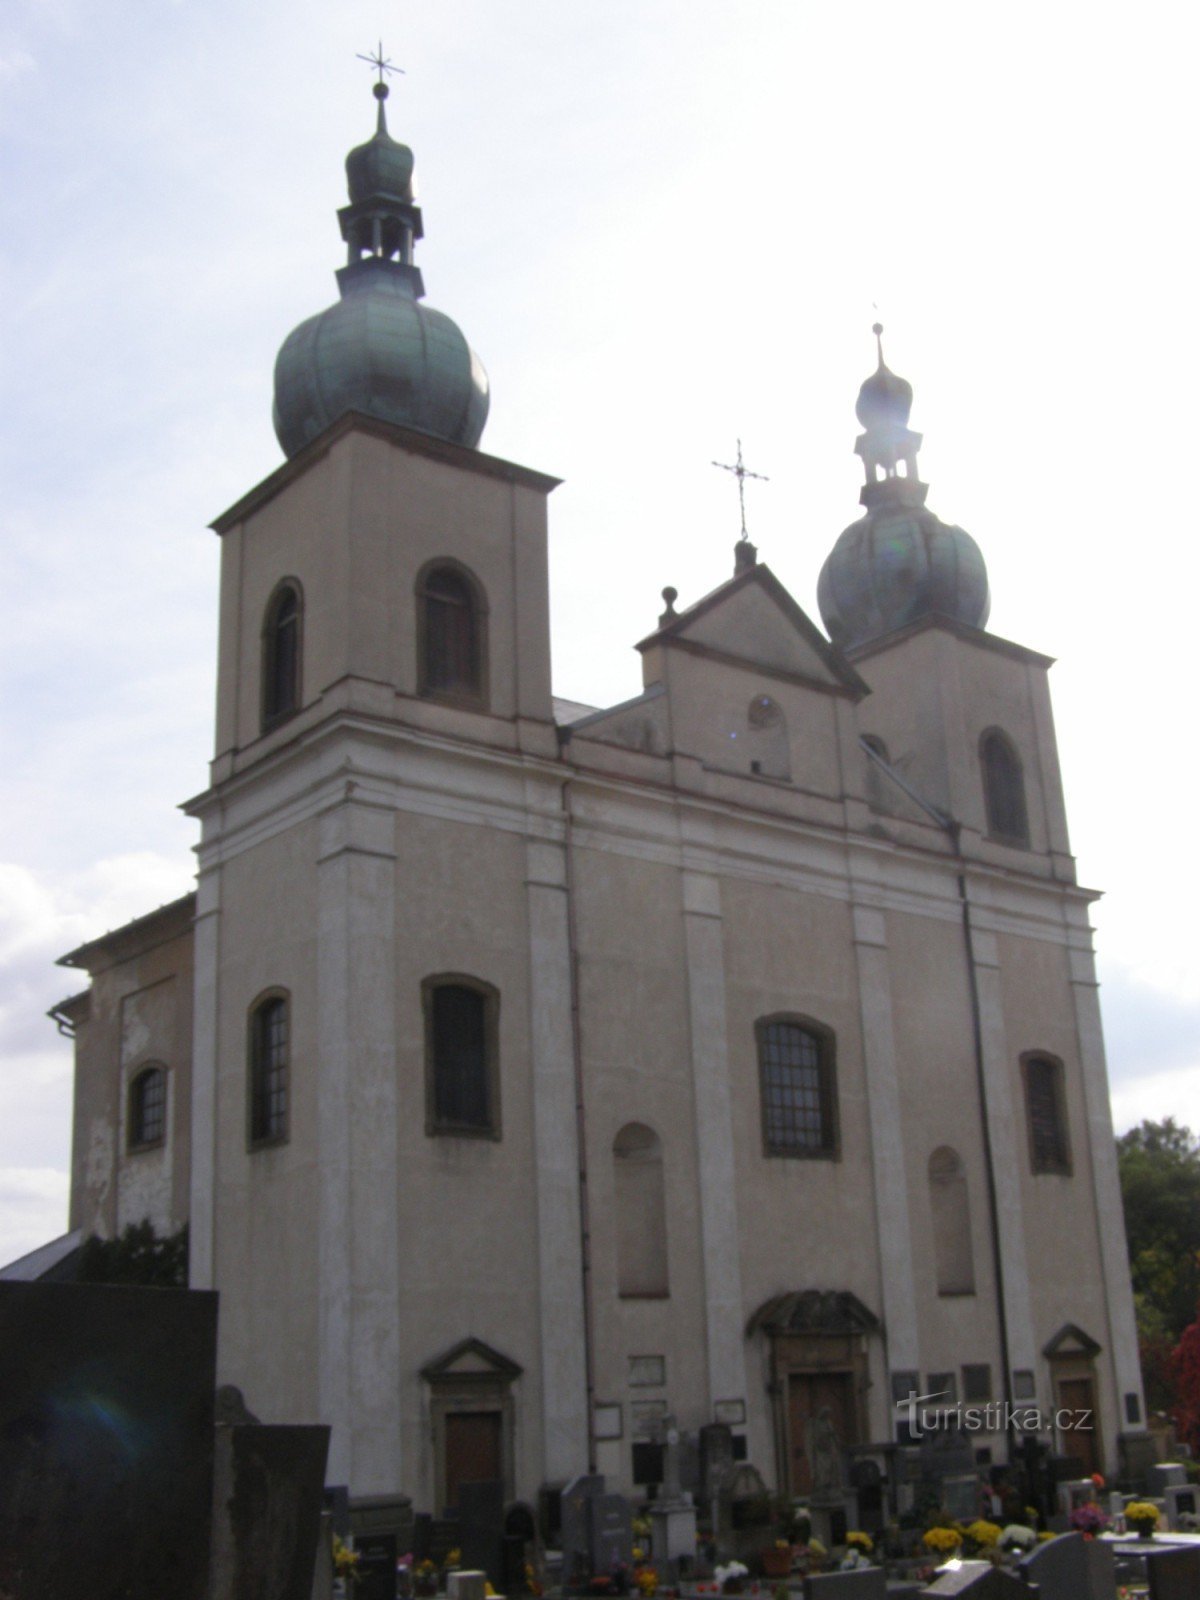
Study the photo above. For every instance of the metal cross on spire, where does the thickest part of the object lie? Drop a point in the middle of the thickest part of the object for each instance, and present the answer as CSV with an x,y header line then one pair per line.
x,y
741,472
380,62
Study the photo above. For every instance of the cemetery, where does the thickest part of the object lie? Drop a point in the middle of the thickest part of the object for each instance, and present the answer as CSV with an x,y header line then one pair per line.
x,y
129,1473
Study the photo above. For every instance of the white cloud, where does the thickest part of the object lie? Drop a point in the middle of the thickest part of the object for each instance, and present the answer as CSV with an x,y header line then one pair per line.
x,y
33,1209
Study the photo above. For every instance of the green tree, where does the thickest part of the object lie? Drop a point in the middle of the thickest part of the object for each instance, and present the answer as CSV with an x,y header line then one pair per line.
x,y
1159,1164
139,1255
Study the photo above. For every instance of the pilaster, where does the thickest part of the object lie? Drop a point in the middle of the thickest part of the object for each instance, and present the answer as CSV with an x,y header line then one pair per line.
x,y
203,1154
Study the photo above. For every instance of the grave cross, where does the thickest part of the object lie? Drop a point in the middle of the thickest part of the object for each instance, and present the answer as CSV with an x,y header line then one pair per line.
x,y
741,472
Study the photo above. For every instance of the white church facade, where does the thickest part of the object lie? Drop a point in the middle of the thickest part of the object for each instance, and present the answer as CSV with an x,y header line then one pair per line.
x,y
526,1071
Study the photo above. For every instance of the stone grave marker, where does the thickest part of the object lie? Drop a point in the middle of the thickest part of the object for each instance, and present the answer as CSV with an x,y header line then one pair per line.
x,y
577,1526
481,1528
376,1566
1164,1475
673,1513
465,1585
861,1583
1183,1500
268,1489
960,1495
106,1441
1072,1568
1174,1574
611,1532
979,1580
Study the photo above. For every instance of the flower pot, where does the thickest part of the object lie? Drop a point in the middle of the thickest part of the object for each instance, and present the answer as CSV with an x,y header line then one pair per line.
x,y
1145,1530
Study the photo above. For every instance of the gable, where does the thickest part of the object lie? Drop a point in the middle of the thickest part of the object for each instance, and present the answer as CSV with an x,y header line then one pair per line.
x,y
752,621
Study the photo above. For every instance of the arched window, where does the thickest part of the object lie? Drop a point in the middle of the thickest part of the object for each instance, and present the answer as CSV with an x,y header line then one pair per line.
x,y
462,1081
281,654
798,1084
268,1070
641,1213
767,739
148,1107
951,1207
451,633
1045,1108
1003,788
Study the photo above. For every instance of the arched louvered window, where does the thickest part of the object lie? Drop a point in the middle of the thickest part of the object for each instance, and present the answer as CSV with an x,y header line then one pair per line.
x,y
148,1107
767,739
1003,788
640,1213
268,1048
281,654
950,1204
798,1085
461,1046
451,633
1045,1108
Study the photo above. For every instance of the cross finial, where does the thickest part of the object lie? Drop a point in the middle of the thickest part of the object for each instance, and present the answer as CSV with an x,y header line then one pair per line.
x,y
381,64
741,472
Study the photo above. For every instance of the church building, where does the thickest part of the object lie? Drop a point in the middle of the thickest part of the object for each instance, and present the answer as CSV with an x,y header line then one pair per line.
x,y
527,1071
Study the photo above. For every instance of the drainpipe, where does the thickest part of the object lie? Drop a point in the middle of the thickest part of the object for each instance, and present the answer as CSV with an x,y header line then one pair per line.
x,y
585,1233
953,831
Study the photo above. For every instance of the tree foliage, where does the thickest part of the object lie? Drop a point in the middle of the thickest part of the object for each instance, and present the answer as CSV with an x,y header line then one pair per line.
x,y
1159,1164
139,1255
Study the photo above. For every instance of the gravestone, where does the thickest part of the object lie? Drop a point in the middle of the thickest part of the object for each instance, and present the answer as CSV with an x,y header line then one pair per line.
x,y
1183,1500
337,1503
464,1585
980,1580
378,1513
716,1457
322,1584
577,1526
1072,1568
673,1514
376,1566
1174,1574
106,1441
611,1532
481,1528
268,1488
861,1583
866,1480
1164,1475
960,1496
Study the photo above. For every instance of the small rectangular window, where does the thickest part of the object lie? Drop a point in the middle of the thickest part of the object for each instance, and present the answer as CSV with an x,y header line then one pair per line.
x,y
977,1382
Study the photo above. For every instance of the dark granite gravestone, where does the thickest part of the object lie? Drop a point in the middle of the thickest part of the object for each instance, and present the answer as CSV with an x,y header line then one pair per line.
x,y
611,1532
337,1503
979,1580
1174,1574
1072,1568
861,1583
106,1441
268,1491
481,1529
376,1566
577,1526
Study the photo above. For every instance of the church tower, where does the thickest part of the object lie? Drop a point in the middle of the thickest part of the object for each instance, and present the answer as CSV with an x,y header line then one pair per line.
x,y
383,689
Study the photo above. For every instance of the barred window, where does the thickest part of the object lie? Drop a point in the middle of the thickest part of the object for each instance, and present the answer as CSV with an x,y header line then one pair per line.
x,y
462,1082
269,1071
281,654
451,632
1003,788
796,1076
1049,1150
148,1108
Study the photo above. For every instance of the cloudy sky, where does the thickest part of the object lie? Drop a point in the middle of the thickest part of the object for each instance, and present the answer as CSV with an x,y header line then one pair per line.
x,y
663,224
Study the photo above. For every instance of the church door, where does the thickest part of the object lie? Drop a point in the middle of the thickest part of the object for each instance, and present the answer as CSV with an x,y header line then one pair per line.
x,y
472,1450
821,1424
1078,1396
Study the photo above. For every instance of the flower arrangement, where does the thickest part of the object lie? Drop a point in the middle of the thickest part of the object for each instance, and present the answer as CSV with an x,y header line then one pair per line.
x,y
729,1577
1088,1519
816,1548
531,1581
345,1561
453,1560
1016,1536
984,1535
858,1540
1142,1517
646,1580
945,1541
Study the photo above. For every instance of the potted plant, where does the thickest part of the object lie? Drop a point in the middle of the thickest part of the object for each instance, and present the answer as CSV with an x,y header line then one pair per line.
x,y
1089,1520
1142,1517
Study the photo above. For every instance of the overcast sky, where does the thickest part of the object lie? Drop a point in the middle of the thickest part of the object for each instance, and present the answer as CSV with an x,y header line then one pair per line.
x,y
662,226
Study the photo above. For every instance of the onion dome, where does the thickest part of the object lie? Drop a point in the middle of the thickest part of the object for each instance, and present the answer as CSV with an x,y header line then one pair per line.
x,y
378,349
899,562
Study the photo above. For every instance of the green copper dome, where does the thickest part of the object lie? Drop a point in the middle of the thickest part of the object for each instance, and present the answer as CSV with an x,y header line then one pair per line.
x,y
378,349
899,562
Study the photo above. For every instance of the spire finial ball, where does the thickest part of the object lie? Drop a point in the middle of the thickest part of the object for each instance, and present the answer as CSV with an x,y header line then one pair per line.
x,y
380,91
877,328
670,595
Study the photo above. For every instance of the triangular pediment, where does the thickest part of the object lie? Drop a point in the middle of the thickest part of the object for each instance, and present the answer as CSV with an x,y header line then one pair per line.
x,y
753,621
1071,1340
471,1358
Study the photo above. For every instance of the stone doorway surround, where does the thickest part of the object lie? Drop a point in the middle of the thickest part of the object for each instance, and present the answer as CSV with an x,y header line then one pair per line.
x,y
1072,1356
470,1381
818,1361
